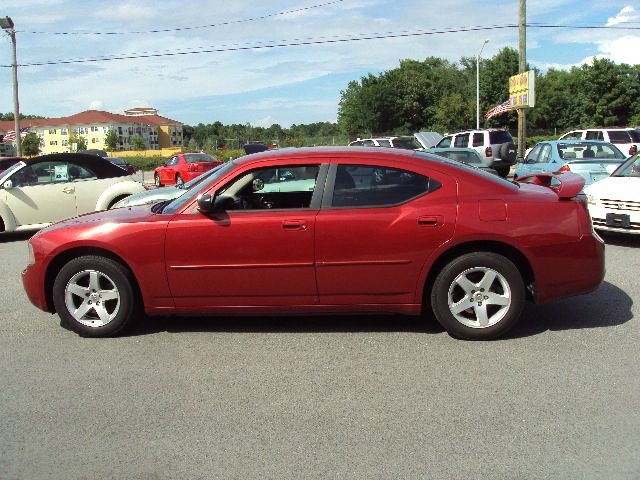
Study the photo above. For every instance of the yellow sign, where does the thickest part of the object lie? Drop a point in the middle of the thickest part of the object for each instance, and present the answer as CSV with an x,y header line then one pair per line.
x,y
522,92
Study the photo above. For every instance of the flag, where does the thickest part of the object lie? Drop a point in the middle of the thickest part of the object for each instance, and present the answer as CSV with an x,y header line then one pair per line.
x,y
499,109
11,135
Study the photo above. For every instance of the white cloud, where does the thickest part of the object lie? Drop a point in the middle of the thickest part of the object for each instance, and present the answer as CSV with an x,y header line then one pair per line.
x,y
96,105
626,15
265,122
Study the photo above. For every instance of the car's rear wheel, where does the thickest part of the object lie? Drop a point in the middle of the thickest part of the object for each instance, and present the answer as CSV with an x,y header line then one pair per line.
x,y
478,296
156,180
94,296
179,180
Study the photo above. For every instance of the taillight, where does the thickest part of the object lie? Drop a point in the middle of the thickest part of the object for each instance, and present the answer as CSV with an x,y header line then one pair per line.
x,y
633,150
564,168
488,152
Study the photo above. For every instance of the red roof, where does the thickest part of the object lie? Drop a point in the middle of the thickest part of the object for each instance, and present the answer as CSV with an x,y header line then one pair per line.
x,y
87,118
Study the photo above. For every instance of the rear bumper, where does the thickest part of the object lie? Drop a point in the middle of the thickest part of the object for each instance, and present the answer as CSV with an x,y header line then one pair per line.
x,y
569,269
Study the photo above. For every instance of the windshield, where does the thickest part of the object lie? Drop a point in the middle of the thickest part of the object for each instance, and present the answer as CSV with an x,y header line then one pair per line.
x,y
409,143
463,156
181,201
11,169
589,150
199,157
630,168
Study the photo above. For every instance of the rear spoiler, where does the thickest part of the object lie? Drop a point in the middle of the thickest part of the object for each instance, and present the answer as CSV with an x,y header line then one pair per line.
x,y
566,185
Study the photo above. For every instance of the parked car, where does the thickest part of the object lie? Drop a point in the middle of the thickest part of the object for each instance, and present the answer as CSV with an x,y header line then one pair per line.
x,y
589,159
626,139
405,142
42,190
183,167
614,203
120,162
6,162
494,145
382,231
162,194
468,156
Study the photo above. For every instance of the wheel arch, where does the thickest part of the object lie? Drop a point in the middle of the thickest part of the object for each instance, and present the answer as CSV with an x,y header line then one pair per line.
x,y
61,260
506,250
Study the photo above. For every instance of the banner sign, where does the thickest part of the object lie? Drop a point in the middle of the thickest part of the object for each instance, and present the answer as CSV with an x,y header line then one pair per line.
x,y
522,89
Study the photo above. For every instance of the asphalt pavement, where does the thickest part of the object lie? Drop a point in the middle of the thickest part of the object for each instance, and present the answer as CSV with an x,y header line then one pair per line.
x,y
325,397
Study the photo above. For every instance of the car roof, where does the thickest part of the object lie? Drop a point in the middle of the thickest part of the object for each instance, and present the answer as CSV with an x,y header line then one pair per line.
x,y
102,167
327,152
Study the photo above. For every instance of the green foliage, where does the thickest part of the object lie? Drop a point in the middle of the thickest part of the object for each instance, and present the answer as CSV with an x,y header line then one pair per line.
x,y
137,142
81,142
31,144
111,140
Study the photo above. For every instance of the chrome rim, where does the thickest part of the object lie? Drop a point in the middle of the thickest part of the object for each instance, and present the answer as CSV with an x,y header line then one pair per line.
x,y
92,298
179,180
479,297
156,180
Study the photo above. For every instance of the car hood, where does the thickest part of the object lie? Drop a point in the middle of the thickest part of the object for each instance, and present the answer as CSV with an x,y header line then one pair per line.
x,y
616,188
150,196
116,216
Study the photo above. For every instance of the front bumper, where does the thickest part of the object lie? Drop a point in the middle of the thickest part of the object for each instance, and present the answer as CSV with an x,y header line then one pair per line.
x,y
607,218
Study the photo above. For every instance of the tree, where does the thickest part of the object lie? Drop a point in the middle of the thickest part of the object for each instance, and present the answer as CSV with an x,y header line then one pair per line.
x,y
137,142
192,145
111,140
81,142
31,144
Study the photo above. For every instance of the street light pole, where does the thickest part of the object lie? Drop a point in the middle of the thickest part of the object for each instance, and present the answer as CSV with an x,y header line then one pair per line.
x,y
7,25
478,85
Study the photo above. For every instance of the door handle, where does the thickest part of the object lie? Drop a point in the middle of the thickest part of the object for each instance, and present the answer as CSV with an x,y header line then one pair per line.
x,y
294,225
430,220
68,189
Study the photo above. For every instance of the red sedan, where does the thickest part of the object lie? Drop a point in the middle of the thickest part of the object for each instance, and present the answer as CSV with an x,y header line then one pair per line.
x,y
183,167
326,230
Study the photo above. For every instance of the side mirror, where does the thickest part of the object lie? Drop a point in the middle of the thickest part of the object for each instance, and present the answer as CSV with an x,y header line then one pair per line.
x,y
212,203
8,185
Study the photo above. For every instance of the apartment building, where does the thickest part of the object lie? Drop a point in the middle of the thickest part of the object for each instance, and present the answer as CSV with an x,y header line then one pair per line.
x,y
93,125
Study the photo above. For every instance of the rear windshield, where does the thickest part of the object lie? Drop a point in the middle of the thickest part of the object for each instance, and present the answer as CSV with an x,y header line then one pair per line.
x,y
409,143
460,156
619,136
199,157
588,150
635,135
117,161
489,176
499,136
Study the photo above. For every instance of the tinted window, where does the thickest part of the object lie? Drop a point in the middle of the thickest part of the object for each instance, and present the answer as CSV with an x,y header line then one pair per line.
x,y
619,136
533,154
357,143
499,136
462,140
478,139
172,161
634,134
594,135
199,157
409,143
444,143
372,186
368,143
573,151
384,143
461,156
576,135
80,172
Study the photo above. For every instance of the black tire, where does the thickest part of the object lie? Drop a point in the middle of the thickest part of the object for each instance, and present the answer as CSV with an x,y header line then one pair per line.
x,y
508,152
476,268
179,180
156,180
108,273
503,171
116,200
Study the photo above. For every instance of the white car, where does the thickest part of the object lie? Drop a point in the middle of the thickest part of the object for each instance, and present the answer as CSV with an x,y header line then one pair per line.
x,y
626,139
614,203
43,190
406,142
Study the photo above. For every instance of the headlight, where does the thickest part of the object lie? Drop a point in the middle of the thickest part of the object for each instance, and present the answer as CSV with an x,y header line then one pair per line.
x,y
31,258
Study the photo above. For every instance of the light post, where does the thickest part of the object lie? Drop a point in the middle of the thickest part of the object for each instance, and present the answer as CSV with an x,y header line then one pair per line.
x,y
478,84
7,25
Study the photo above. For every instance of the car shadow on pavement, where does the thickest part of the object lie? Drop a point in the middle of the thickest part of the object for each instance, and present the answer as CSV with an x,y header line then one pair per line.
x,y
620,239
606,307
16,236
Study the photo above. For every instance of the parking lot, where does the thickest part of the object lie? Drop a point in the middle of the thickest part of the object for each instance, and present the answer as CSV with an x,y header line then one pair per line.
x,y
325,397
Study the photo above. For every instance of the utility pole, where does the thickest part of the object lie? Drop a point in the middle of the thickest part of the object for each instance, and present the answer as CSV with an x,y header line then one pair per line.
x,y
522,50
7,25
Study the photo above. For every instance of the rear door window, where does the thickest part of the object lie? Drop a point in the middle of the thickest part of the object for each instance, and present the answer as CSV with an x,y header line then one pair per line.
x,y
478,139
619,136
444,143
462,141
594,135
377,186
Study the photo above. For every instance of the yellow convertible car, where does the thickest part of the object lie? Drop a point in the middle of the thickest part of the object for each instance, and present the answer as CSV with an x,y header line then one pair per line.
x,y
43,190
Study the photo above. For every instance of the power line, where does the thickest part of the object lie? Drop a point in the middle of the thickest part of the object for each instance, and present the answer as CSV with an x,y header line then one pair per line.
x,y
267,44
179,29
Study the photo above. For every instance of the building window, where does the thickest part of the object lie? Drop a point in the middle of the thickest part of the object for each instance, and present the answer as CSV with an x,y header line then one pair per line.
x,y
53,142
52,131
64,131
65,143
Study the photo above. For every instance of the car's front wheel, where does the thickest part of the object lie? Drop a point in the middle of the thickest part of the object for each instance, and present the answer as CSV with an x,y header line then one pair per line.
x,y
478,296
179,180
93,296
156,180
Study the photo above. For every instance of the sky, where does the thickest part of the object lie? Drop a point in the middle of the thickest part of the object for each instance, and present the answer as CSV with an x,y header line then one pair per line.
x,y
232,81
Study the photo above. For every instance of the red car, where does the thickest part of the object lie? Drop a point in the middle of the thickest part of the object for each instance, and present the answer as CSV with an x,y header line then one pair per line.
x,y
184,167
326,231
